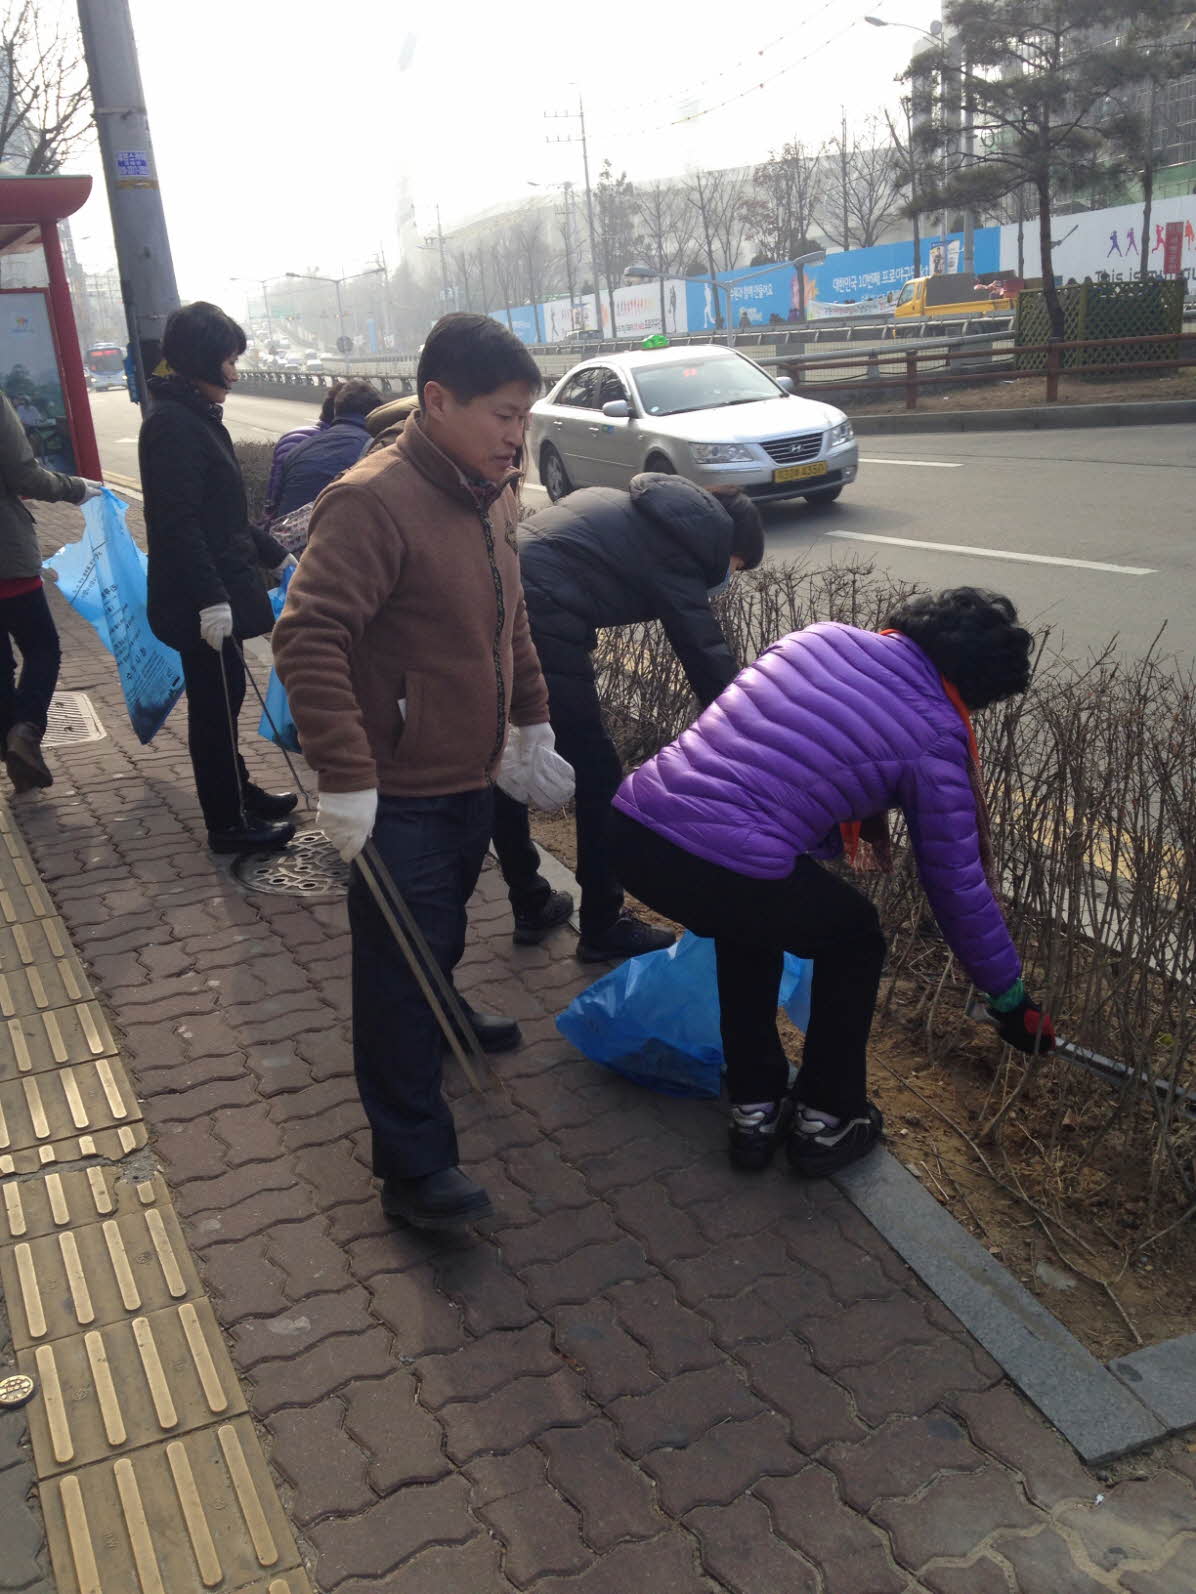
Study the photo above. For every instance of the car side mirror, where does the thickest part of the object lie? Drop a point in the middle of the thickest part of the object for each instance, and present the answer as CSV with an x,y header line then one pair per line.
x,y
617,410
786,384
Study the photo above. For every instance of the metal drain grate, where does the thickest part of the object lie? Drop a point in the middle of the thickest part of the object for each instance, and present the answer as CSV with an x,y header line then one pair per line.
x,y
71,720
310,867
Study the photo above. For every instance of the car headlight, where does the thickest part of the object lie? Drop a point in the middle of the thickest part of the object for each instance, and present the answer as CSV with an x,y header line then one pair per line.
x,y
842,433
721,453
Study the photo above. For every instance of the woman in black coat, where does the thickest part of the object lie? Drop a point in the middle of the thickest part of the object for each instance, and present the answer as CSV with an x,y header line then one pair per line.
x,y
207,591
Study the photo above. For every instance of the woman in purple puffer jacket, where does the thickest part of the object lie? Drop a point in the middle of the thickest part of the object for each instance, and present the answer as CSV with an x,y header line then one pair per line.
x,y
809,746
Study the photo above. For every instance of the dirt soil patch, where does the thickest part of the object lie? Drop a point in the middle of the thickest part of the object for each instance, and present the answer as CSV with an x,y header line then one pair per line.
x,y
1025,392
1068,1228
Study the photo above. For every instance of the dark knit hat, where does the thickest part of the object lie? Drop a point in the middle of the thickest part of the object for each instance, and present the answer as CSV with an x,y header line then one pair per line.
x,y
747,535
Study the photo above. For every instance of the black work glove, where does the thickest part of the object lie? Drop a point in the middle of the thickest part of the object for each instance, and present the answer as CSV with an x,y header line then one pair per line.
x,y
1025,1027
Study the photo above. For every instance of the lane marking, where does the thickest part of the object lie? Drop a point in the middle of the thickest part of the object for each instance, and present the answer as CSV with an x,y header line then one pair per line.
x,y
922,464
995,553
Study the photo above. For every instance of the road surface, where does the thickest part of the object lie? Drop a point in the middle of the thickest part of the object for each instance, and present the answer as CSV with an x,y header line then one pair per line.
x,y
1089,531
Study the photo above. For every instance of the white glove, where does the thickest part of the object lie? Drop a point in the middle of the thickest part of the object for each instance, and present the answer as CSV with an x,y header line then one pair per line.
x,y
90,490
532,771
216,624
347,819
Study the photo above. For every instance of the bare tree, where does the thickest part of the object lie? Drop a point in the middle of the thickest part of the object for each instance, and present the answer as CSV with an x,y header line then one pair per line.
x,y
780,211
506,259
719,198
528,237
666,233
461,276
45,98
614,202
861,196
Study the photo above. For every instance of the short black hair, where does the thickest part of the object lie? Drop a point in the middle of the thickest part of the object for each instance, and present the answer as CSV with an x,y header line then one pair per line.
x,y
197,340
972,637
355,397
328,407
472,355
747,535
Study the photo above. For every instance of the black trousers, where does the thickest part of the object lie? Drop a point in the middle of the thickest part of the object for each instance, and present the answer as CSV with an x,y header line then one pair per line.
x,y
27,621
221,779
433,849
754,922
576,716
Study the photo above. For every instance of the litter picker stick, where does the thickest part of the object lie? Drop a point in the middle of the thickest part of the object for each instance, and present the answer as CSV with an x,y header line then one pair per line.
x,y
409,938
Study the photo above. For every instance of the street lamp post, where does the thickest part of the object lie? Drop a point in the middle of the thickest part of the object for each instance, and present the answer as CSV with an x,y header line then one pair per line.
x,y
647,274
311,276
262,288
948,49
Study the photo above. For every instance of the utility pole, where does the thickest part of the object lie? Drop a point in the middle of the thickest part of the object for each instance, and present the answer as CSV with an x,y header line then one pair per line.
x,y
568,235
579,116
843,177
147,282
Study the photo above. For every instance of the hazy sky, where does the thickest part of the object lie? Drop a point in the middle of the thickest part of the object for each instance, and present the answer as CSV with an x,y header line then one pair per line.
x,y
284,128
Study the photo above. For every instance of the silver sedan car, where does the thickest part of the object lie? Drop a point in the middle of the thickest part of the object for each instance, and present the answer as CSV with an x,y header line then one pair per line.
x,y
705,412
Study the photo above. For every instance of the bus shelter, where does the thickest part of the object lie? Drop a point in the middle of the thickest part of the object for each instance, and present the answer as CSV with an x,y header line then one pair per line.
x,y
41,367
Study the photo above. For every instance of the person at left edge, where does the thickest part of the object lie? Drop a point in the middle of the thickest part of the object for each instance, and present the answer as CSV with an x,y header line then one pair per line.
x,y
406,655
206,588
25,616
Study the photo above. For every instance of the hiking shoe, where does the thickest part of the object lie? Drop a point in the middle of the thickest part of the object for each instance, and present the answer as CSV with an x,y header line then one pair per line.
x,y
756,1131
23,758
531,928
447,1199
815,1150
627,937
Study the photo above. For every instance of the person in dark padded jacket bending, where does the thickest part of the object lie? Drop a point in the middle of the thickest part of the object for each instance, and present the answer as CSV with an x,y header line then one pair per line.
x,y
602,557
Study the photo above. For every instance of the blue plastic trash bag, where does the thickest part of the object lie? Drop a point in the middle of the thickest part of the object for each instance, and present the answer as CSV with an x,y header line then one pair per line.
x,y
102,577
276,724
655,1019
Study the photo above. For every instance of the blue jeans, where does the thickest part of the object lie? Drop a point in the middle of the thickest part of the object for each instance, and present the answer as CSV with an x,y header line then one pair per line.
x,y
433,849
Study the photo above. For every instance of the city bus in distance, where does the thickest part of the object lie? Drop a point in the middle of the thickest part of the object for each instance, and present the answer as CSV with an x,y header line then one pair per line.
x,y
105,363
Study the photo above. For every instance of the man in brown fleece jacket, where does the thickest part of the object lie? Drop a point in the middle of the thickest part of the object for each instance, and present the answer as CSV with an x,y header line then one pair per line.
x,y
405,652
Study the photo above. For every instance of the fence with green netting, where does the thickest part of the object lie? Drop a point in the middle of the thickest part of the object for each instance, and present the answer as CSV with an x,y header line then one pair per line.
x,y
1093,310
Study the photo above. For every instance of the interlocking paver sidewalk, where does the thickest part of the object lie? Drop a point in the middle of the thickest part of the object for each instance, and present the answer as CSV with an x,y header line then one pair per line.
x,y
648,1375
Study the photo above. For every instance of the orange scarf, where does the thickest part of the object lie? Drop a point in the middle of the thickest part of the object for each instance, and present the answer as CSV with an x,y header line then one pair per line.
x,y
874,831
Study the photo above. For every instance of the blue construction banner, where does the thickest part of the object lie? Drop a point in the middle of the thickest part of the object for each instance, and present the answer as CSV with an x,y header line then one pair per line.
x,y
102,577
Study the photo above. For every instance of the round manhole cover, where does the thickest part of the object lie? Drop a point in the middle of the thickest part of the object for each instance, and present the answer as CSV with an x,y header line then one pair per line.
x,y
309,867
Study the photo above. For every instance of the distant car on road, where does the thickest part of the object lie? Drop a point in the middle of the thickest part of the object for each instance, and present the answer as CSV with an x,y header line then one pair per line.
x,y
290,362
313,361
704,412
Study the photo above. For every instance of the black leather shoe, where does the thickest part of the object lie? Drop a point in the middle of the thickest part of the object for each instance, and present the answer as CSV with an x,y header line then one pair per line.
x,y
261,804
255,835
531,928
494,1034
448,1199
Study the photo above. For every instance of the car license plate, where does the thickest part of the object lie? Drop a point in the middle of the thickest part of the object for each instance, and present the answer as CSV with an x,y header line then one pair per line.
x,y
792,473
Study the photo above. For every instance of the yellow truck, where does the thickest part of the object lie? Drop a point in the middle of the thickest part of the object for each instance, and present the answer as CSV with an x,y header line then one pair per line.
x,y
955,293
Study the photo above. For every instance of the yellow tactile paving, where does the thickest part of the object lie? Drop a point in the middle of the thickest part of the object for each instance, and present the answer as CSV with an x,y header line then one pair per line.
x,y
84,1278
197,1513
54,1105
39,942
150,1473
119,1388
38,988
36,1041
30,1208
19,904
109,1143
